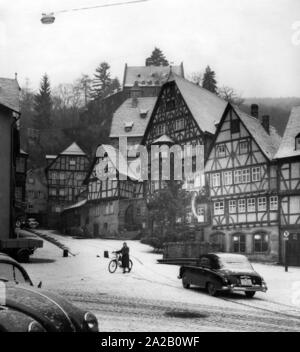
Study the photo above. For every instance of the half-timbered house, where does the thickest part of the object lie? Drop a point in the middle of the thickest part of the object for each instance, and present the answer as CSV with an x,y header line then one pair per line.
x,y
115,204
37,195
184,114
65,175
288,157
242,178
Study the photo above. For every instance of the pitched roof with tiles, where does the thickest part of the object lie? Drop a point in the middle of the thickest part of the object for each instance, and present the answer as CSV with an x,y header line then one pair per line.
x,y
149,75
287,145
73,149
10,94
206,107
268,143
138,116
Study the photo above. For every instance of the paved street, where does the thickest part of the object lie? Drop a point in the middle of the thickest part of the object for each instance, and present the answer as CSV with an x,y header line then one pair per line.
x,y
151,298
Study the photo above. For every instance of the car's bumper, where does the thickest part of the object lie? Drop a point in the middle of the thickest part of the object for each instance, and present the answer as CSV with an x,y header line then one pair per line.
x,y
254,288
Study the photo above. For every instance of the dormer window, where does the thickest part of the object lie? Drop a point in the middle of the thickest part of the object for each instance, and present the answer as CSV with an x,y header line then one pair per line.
x,y
128,126
297,142
143,113
149,83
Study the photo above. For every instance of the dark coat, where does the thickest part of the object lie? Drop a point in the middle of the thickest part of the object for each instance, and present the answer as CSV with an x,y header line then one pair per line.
x,y
125,256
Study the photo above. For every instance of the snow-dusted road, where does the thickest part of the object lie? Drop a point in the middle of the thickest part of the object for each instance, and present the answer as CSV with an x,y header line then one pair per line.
x,y
151,298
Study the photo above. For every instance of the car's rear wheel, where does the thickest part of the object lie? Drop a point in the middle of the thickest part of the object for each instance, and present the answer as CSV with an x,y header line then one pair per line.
x,y
185,281
250,294
211,289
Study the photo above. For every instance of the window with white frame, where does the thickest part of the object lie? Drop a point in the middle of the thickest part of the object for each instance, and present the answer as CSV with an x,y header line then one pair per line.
x,y
237,177
219,208
256,174
242,205
251,205
216,180
245,176
262,204
232,206
62,192
244,147
52,191
179,124
161,129
221,150
227,178
274,203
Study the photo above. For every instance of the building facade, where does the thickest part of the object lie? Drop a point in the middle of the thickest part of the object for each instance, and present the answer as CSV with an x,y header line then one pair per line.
x,y
9,149
149,78
37,195
115,205
288,157
65,174
184,114
241,175
20,183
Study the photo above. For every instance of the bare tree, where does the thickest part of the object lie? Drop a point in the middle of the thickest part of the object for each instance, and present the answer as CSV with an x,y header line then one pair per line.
x,y
196,77
230,95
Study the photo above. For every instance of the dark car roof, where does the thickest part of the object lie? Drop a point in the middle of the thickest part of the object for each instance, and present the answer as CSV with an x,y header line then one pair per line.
x,y
227,255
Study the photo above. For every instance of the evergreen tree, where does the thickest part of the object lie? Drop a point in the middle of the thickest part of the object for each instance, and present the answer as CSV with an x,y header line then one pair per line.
x,y
157,58
209,80
43,105
101,81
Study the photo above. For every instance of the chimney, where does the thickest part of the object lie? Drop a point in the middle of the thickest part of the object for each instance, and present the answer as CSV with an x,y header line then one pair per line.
x,y
266,123
16,76
254,110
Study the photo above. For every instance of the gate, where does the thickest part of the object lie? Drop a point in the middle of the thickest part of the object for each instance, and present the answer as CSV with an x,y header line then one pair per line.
x,y
294,249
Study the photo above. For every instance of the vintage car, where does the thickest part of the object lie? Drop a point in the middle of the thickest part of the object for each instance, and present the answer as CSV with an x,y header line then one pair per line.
x,y
227,272
24,308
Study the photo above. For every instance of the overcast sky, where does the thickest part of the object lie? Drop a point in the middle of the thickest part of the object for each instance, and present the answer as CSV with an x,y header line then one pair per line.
x,y
247,42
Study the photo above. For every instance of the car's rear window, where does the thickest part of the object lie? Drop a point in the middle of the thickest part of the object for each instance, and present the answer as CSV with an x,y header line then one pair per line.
x,y
232,263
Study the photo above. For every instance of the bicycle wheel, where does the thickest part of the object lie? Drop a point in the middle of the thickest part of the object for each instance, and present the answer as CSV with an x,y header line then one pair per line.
x,y
112,266
130,265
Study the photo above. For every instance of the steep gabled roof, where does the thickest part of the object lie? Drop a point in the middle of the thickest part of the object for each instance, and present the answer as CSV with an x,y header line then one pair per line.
x,y
117,160
126,113
268,143
157,75
206,107
10,94
287,145
73,149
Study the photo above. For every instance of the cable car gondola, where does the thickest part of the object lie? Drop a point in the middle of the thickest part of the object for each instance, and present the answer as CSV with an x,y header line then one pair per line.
x,y
48,18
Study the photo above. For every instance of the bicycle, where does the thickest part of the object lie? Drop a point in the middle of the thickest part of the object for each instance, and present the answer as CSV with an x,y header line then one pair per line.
x,y
117,262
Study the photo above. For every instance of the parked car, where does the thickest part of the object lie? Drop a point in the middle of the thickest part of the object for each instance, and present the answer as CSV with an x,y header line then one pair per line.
x,y
24,308
24,223
32,223
227,272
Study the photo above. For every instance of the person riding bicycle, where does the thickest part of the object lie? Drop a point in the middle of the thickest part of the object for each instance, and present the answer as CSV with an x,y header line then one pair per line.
x,y
125,257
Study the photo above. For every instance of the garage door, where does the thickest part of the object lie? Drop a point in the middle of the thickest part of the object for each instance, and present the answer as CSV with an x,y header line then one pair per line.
x,y
294,249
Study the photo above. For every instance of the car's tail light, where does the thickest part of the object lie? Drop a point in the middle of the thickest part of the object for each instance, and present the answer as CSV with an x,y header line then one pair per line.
x,y
91,322
34,326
